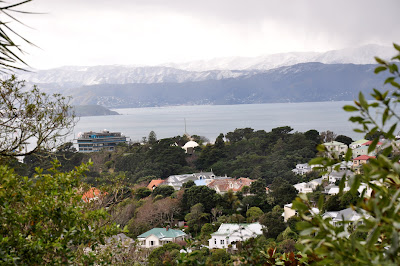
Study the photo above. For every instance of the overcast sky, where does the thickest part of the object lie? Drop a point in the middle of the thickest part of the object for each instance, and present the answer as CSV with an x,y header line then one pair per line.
x,y
137,32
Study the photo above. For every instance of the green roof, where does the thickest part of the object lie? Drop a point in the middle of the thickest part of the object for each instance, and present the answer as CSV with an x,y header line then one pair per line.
x,y
163,233
361,141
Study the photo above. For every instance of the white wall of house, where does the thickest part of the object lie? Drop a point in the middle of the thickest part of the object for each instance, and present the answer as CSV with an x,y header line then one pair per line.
x,y
303,188
230,234
218,242
150,242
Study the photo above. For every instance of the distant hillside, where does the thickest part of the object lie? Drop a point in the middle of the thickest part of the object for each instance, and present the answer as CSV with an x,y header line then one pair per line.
x,y
92,110
308,82
215,69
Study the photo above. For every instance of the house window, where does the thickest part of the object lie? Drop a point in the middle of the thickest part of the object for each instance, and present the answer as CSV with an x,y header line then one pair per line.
x,y
222,241
215,241
151,243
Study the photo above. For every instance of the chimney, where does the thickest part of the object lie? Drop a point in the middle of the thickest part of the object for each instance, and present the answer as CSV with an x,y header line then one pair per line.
x,y
167,227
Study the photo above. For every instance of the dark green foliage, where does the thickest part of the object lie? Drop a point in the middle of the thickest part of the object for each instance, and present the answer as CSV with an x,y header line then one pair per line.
x,y
292,221
374,240
273,221
332,203
188,184
196,218
200,194
167,254
206,230
258,154
161,160
196,257
152,137
142,192
337,202
218,257
260,201
257,187
219,142
282,192
44,220
211,154
163,190
344,139
253,214
313,135
239,134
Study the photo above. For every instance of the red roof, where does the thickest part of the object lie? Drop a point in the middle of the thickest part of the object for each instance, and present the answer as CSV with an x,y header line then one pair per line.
x,y
235,185
91,194
363,157
369,143
155,183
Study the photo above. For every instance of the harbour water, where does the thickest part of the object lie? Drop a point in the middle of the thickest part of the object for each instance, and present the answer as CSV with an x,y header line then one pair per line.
x,y
211,120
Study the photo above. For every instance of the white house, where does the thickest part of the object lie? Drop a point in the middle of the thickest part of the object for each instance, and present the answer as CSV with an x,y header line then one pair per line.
x,y
230,234
303,187
336,147
177,181
302,169
309,186
289,212
157,237
334,176
357,143
363,150
344,217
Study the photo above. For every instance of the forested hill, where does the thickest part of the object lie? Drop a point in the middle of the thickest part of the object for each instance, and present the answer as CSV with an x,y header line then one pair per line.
x,y
92,110
305,82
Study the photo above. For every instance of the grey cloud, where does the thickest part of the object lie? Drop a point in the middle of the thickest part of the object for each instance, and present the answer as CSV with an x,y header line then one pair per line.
x,y
349,21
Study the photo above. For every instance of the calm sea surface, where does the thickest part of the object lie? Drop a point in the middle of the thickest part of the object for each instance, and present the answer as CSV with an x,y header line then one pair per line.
x,y
211,120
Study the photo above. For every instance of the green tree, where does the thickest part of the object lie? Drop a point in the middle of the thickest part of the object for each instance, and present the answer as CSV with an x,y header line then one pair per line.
x,y
282,192
218,257
253,214
163,190
200,194
257,187
31,118
379,211
142,192
273,222
165,255
196,217
188,184
344,139
152,138
313,135
206,230
44,220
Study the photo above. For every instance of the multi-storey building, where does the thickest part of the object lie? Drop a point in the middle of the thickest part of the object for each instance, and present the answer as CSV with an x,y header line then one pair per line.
x,y
97,141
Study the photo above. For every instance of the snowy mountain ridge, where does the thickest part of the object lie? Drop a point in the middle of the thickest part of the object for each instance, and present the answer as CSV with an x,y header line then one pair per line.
x,y
215,69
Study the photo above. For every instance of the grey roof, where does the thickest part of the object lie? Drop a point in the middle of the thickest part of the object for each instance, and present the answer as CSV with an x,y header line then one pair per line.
x,y
119,238
346,214
339,174
318,180
186,177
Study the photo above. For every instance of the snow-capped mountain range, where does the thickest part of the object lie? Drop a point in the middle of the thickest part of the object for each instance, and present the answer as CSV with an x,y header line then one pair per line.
x,y
358,55
215,69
